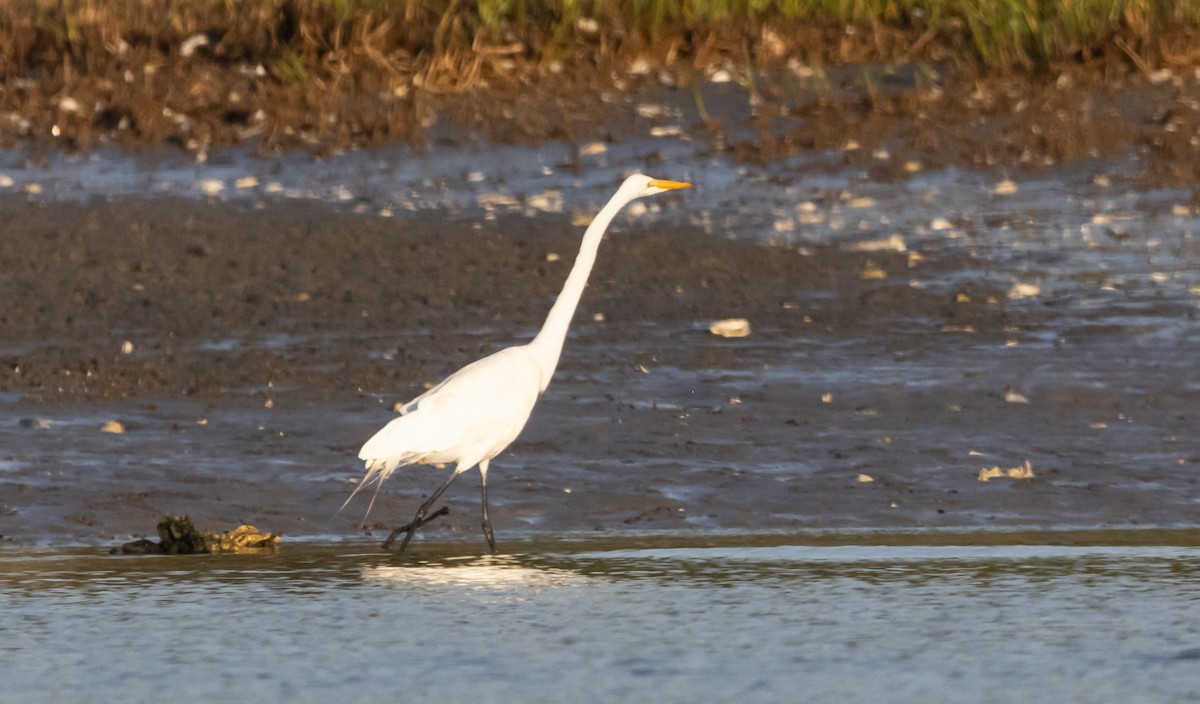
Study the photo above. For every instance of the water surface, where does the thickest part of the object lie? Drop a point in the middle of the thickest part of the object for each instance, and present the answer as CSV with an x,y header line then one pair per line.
x,y
751,620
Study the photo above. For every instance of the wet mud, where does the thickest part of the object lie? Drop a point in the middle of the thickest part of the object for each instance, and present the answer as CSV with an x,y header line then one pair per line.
x,y
246,354
215,301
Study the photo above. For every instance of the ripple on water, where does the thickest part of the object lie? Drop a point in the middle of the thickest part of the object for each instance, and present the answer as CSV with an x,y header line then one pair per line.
x,y
755,623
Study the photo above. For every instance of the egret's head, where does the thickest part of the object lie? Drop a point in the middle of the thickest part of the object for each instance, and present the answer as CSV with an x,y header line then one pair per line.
x,y
640,186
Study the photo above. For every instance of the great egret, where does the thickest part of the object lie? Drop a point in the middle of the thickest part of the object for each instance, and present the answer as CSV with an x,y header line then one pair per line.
x,y
476,412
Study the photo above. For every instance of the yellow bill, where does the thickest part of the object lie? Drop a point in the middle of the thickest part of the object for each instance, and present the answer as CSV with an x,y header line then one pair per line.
x,y
668,185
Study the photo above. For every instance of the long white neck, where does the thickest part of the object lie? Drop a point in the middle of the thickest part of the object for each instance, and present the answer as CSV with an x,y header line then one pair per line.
x,y
548,344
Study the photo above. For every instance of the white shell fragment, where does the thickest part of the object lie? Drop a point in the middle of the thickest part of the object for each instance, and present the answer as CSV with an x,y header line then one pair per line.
x,y
191,44
492,201
872,273
1024,290
548,202
650,110
895,243
211,186
730,327
1013,396
1024,471
1162,75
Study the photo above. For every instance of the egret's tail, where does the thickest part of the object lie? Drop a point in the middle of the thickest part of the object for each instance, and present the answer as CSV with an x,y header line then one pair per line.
x,y
390,448
377,471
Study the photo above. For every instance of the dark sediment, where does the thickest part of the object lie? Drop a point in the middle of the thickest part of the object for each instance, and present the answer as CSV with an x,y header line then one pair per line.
x,y
266,346
248,354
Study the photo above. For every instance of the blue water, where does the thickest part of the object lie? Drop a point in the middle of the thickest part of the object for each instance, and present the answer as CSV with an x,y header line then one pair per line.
x,y
580,623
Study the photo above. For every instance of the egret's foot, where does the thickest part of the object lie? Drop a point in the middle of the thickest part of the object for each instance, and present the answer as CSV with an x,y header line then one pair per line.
x,y
411,527
491,540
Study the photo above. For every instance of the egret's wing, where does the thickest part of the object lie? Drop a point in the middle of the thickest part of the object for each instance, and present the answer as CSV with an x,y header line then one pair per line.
x,y
412,405
472,415
475,371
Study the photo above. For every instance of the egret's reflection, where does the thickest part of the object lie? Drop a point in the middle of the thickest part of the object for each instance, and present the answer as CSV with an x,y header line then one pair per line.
x,y
483,573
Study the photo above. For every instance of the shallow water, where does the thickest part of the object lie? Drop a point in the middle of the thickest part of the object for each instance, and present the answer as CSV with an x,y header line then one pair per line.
x,y
768,619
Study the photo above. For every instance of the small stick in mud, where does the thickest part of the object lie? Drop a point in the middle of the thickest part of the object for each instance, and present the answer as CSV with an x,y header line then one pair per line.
x,y
409,527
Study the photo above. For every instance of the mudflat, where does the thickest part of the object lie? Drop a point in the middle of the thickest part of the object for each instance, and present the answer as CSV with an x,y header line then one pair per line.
x,y
246,354
946,272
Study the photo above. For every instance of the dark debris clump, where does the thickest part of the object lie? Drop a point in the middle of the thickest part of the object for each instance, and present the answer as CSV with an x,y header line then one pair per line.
x,y
178,536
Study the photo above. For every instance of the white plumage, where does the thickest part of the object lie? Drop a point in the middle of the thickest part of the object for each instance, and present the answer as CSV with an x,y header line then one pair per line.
x,y
480,410
468,418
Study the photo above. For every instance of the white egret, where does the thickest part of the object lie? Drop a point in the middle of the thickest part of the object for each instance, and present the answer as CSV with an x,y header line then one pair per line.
x,y
475,413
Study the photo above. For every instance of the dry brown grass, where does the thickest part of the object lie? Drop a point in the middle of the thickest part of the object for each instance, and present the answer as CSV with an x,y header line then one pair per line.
x,y
325,73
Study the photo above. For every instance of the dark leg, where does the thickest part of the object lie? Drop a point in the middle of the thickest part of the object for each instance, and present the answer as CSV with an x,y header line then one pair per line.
x,y
443,511
487,524
419,519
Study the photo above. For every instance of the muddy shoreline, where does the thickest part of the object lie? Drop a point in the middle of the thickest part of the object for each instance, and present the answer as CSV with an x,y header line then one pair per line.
x,y
1014,125
248,353
910,327
200,290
